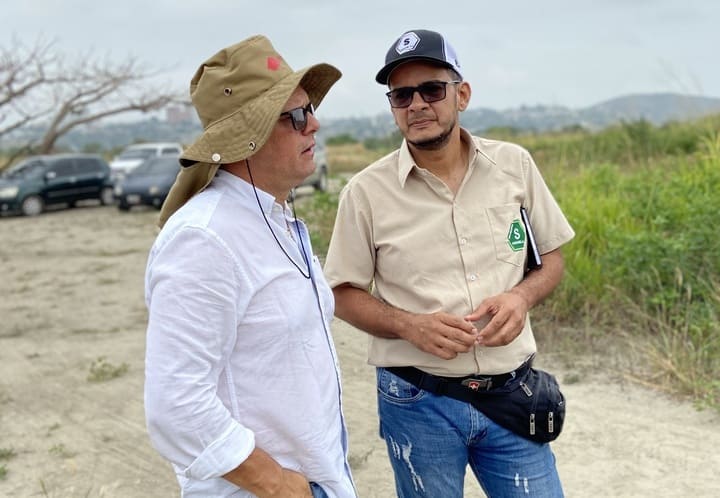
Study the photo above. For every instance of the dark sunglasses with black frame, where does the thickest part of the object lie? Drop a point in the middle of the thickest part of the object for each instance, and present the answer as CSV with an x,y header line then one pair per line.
x,y
299,117
430,91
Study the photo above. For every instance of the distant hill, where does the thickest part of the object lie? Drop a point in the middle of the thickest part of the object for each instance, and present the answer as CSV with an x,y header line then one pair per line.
x,y
655,108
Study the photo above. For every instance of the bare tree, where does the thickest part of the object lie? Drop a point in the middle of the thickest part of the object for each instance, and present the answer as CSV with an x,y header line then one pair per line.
x,y
23,74
39,87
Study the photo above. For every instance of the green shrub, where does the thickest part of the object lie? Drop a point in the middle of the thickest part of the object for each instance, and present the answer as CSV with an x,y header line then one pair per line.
x,y
647,257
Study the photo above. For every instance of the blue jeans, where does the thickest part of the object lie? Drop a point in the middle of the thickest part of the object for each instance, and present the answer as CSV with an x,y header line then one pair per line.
x,y
431,440
317,491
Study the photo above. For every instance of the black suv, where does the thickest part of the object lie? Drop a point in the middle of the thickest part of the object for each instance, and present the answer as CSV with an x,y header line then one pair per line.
x,y
38,181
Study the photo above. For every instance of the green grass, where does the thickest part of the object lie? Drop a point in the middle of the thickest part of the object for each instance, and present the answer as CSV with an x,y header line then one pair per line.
x,y
319,213
350,157
5,454
102,371
60,450
646,259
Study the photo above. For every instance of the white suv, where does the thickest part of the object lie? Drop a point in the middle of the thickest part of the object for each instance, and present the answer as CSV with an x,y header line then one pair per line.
x,y
133,155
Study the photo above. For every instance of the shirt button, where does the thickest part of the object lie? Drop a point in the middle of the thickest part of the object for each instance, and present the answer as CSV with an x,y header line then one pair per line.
x,y
472,277
463,241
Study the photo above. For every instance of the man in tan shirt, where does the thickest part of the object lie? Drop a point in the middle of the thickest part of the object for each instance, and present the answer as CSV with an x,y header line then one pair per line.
x,y
428,256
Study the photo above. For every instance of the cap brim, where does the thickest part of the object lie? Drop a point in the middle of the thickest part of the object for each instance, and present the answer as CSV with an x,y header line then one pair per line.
x,y
383,75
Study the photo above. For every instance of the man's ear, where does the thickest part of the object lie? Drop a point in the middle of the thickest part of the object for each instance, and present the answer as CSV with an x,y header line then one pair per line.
x,y
463,92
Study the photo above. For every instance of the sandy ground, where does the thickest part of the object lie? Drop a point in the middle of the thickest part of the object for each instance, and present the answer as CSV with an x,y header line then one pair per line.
x,y
72,294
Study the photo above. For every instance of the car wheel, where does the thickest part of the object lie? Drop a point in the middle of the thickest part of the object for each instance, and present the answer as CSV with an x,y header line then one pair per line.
x,y
322,182
107,196
32,205
123,206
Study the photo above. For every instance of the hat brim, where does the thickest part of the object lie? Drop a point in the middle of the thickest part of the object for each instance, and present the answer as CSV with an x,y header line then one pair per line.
x,y
240,134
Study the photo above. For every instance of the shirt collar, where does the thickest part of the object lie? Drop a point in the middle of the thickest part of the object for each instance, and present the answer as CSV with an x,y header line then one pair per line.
x,y
246,189
406,163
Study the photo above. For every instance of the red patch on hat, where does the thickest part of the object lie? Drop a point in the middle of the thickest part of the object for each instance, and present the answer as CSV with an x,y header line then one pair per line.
x,y
273,63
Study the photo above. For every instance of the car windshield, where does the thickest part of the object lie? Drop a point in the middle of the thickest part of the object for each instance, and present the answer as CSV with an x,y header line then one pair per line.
x,y
136,154
159,166
25,169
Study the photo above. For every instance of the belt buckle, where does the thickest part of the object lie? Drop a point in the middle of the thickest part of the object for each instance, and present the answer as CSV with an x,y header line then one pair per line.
x,y
476,384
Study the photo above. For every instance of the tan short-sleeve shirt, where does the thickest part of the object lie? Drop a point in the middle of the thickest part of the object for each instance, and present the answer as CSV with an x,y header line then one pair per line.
x,y
402,234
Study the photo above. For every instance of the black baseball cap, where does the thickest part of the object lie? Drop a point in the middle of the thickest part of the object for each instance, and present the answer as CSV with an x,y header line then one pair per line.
x,y
418,44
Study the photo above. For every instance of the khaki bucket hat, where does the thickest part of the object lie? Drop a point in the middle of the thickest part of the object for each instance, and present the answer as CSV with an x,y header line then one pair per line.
x,y
238,94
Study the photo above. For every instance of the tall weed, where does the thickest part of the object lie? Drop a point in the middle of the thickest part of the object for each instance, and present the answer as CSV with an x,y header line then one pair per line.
x,y
647,256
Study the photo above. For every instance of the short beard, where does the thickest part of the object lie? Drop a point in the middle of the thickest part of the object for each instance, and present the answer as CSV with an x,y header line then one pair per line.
x,y
436,143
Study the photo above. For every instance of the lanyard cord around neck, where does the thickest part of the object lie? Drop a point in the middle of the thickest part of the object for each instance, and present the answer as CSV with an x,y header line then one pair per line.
x,y
295,222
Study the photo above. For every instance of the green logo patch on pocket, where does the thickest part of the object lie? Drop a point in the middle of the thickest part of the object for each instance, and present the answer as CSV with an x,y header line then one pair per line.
x,y
516,236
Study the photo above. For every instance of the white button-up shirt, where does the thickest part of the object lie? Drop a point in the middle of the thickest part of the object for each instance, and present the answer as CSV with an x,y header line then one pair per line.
x,y
239,352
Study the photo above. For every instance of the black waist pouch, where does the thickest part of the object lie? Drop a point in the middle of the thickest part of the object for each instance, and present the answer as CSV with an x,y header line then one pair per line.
x,y
530,405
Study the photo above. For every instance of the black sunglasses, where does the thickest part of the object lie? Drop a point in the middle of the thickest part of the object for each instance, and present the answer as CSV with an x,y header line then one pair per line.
x,y
430,91
299,116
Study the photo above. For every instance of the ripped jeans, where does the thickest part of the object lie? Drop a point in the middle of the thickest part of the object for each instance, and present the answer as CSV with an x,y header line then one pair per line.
x,y
432,439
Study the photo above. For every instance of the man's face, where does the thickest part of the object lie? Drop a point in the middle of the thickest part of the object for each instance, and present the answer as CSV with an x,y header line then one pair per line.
x,y
428,125
286,159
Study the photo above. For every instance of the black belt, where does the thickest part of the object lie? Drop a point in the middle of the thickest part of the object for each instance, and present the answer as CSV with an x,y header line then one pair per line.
x,y
456,387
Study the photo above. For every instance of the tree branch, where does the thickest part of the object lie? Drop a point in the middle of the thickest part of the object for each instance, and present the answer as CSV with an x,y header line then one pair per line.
x,y
36,83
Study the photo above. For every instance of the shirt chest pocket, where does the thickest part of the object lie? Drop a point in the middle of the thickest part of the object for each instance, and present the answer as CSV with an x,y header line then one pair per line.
x,y
508,233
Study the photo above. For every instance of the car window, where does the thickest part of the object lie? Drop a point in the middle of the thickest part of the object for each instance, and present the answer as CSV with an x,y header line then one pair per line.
x,y
63,167
170,151
86,165
136,154
157,166
143,168
27,169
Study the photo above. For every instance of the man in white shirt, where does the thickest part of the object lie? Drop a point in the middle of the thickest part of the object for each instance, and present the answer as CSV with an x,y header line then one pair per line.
x,y
242,391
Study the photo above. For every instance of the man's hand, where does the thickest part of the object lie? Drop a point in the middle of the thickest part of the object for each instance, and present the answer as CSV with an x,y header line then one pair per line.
x,y
265,478
441,334
507,313
295,485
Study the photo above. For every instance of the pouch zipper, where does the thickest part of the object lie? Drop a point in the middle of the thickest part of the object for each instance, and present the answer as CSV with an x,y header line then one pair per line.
x,y
529,394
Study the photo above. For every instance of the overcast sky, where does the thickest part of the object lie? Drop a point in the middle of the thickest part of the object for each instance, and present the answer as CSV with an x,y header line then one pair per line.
x,y
573,53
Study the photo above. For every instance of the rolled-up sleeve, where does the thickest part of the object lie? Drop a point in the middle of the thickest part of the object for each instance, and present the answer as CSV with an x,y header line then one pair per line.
x,y
194,296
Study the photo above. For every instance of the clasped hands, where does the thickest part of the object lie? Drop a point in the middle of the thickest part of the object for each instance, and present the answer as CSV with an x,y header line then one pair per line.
x,y
445,335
